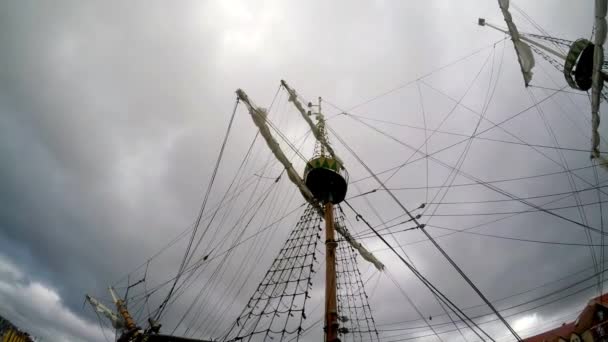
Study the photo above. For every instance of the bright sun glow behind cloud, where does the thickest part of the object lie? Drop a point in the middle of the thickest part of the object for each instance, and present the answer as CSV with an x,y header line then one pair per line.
x,y
526,322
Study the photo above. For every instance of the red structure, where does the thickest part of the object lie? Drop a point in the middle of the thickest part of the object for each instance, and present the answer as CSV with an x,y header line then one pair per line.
x,y
590,326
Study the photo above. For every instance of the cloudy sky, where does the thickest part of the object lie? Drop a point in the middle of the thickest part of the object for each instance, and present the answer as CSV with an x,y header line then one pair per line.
x,y
112,115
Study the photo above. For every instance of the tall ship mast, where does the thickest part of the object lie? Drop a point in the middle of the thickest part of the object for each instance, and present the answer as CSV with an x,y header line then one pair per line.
x,y
583,65
324,185
287,283
323,246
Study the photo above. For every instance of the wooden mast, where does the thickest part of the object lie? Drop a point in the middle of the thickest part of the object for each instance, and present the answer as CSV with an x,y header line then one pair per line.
x,y
131,329
325,182
122,310
331,305
328,194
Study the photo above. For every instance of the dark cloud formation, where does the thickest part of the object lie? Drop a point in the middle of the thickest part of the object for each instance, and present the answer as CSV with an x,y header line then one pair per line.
x,y
111,116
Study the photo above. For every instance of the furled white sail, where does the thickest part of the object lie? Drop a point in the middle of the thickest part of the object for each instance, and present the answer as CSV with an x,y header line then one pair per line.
x,y
293,97
523,50
117,322
259,118
597,79
364,252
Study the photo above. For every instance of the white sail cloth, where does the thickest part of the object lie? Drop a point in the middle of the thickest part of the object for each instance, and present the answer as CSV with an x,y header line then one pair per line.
x,y
259,118
597,79
364,253
293,97
523,50
117,322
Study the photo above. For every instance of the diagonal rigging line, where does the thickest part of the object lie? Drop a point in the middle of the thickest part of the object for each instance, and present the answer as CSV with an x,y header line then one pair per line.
x,y
465,135
545,35
475,179
450,260
244,161
503,180
563,91
437,298
442,149
534,307
197,315
213,217
214,321
425,144
446,331
574,104
101,327
545,296
426,139
211,285
183,287
171,292
461,159
536,105
426,75
563,196
195,266
571,181
285,139
578,205
200,214
407,297
461,315
479,224
224,259
247,276
535,299
517,239
463,155
445,118
182,234
368,234
222,242
235,244
599,197
531,197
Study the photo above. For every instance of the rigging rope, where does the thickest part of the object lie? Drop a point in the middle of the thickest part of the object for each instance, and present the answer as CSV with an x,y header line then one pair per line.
x,y
392,90
204,260
471,177
461,315
277,308
500,125
354,311
216,275
200,215
554,62
407,297
550,294
439,248
571,181
224,260
564,42
481,224
599,197
214,322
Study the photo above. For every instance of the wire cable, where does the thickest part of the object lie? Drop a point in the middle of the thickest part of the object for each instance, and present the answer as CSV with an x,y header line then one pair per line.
x,y
200,215
456,267
468,321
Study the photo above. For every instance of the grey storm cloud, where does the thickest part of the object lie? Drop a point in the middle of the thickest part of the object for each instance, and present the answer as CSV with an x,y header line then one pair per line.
x,y
112,115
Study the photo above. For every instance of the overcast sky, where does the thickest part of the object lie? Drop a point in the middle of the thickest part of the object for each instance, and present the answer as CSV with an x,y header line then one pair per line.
x,y
112,115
